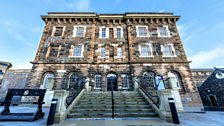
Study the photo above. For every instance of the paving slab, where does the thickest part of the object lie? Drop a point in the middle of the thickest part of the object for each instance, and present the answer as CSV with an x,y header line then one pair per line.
x,y
210,118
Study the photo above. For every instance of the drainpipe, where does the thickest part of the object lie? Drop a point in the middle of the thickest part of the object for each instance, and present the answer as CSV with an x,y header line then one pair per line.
x,y
129,58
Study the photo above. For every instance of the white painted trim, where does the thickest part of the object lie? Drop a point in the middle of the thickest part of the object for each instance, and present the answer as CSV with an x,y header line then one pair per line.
x,y
128,82
107,32
174,53
73,49
101,52
168,31
54,29
115,31
75,30
150,47
121,52
95,81
147,30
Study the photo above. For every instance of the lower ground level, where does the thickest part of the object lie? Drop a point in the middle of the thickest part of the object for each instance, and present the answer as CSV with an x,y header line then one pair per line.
x,y
210,118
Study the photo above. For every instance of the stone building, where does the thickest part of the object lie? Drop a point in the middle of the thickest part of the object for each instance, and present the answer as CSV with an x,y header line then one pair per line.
x,y
211,90
4,66
200,75
113,48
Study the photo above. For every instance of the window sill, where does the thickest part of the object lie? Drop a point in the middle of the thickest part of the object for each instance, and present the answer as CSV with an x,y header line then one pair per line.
x,y
75,56
97,88
170,56
78,36
145,56
164,36
142,36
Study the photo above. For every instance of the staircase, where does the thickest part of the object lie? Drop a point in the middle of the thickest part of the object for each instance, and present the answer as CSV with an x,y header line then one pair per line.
x,y
98,105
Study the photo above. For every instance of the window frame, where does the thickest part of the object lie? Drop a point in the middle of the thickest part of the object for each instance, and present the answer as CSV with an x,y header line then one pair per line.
x,y
119,52
173,50
72,79
75,31
167,30
128,84
150,49
147,30
54,30
72,51
116,32
101,52
95,77
106,34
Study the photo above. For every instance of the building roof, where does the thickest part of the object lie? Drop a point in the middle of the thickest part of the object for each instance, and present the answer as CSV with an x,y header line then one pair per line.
x,y
3,63
99,15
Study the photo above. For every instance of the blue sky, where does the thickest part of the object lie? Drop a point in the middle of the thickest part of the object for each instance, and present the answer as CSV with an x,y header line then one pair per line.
x,y
200,26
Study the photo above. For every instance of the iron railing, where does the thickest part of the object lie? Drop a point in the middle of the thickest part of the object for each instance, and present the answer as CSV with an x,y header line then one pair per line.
x,y
144,87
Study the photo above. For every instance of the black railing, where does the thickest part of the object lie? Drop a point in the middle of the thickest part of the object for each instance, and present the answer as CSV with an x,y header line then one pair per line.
x,y
112,97
73,93
154,98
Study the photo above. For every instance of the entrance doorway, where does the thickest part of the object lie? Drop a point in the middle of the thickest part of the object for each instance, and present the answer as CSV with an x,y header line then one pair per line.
x,y
112,80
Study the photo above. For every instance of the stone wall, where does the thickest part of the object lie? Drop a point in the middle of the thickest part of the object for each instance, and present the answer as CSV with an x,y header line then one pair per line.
x,y
14,78
54,54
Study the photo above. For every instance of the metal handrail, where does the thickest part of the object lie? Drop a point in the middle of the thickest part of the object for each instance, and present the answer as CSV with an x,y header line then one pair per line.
x,y
70,99
150,96
112,97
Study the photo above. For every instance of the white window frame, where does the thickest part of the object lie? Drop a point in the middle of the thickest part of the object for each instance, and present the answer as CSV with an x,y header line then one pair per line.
x,y
115,32
147,30
75,31
54,29
127,81
150,47
167,29
174,53
101,52
120,56
107,32
95,81
73,49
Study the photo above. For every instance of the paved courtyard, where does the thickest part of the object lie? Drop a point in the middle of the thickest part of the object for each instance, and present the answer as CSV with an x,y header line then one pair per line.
x,y
187,119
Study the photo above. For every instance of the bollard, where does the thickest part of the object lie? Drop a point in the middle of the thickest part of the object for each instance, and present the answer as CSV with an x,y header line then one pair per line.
x,y
50,119
173,111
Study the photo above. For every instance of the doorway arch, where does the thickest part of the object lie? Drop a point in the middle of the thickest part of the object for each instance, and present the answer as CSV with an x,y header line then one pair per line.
x,y
112,82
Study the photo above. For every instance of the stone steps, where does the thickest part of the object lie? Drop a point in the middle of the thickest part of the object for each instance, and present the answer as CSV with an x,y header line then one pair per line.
x,y
98,105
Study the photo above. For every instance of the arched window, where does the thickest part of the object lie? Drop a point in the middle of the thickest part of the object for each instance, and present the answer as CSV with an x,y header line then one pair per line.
x,y
48,81
174,80
98,81
125,81
149,79
73,81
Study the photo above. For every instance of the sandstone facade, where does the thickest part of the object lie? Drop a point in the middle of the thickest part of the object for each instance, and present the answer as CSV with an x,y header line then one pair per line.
x,y
85,45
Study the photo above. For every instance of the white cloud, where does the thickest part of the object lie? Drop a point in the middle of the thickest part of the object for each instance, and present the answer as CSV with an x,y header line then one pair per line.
x,y
80,5
17,29
209,58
